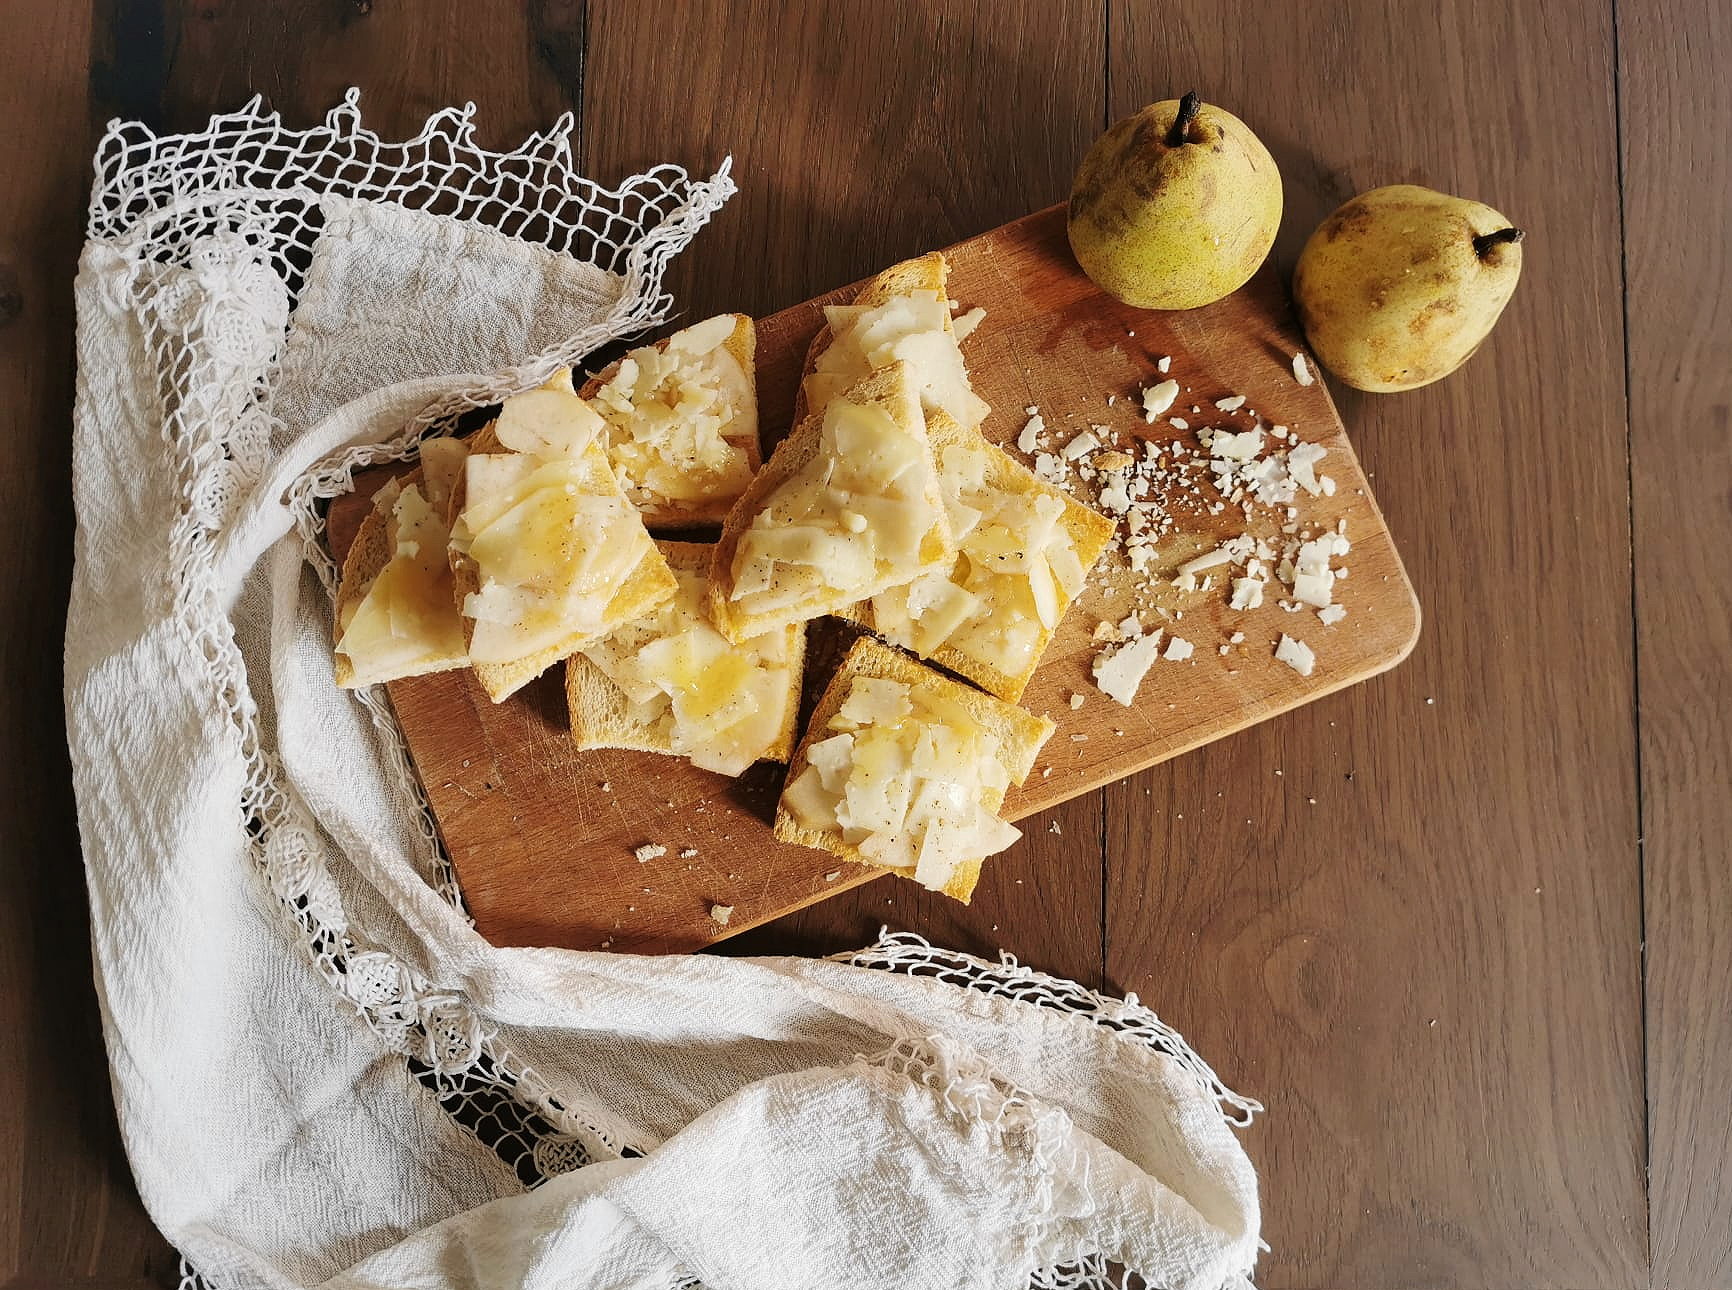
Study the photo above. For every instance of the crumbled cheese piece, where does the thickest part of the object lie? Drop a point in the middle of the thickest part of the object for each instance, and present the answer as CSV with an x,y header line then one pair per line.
x,y
1054,828
1332,614
1188,571
1237,638
1048,467
966,324
1120,671
1295,654
1328,485
1081,445
1129,626
832,875
1115,498
1301,458
605,786
1302,371
1104,631
1158,398
1076,701
1036,426
1030,411
649,851
1178,650
1247,593
1232,404
688,853
1164,364
721,914
1178,423
1236,447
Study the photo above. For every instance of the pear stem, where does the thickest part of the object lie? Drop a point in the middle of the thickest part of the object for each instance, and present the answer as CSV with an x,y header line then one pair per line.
x,y
1187,113
1485,242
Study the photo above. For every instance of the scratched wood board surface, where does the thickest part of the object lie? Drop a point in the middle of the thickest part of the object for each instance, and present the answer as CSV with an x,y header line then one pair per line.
x,y
544,836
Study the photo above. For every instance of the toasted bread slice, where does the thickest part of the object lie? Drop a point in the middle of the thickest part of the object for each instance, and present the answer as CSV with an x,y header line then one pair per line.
x,y
371,553
650,583
939,372
888,392
1017,736
1086,530
729,370
603,714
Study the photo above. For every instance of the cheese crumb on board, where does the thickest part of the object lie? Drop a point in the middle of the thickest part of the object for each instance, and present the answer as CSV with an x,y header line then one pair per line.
x,y
1332,614
1247,594
1164,364
1178,650
649,851
1120,670
1302,370
1158,398
1295,654
1028,440
1231,404
1076,701
689,853
1081,445
720,914
965,325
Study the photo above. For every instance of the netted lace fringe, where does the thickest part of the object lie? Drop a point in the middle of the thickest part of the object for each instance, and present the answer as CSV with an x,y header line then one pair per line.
x,y
911,954
215,230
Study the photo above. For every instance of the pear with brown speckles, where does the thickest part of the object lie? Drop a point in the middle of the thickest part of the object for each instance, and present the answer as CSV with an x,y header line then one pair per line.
x,y
1175,206
1401,285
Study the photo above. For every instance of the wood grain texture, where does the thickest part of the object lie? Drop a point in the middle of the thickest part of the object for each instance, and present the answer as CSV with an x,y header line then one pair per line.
x,y
542,835
1675,102
862,134
69,1216
1419,943
1308,954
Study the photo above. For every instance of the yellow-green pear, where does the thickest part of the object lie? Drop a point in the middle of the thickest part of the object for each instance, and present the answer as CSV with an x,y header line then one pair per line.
x,y
1175,206
1401,284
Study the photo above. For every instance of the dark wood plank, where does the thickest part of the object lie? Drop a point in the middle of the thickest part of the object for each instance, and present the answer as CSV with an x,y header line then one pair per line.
x,y
520,64
1674,105
1419,942
69,1215
862,134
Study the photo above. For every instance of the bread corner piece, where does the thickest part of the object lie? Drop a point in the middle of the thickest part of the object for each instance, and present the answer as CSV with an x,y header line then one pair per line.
x,y
395,616
847,506
905,769
682,421
668,682
507,548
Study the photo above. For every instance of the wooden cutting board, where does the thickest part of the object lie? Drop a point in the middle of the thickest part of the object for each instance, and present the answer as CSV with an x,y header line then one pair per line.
x,y
543,836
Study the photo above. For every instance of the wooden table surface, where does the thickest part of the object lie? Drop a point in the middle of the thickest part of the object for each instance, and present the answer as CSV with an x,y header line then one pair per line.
x,y
1421,944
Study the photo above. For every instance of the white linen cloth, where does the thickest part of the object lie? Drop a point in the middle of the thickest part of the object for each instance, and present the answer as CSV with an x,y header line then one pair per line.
x,y
323,1075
